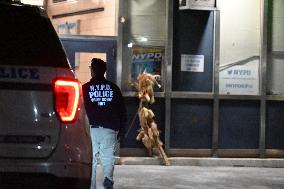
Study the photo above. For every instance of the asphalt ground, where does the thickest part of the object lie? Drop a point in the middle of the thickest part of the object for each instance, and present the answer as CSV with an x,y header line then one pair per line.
x,y
194,177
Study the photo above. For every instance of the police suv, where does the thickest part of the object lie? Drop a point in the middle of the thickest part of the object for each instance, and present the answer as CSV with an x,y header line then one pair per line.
x,y
44,133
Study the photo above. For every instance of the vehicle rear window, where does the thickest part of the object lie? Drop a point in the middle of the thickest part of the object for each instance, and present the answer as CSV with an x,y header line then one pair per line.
x,y
27,38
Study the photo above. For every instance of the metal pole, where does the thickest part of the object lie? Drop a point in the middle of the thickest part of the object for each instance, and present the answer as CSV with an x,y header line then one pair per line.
x,y
121,14
216,62
168,70
263,64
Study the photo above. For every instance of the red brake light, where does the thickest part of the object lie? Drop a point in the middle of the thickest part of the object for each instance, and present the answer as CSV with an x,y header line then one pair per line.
x,y
67,93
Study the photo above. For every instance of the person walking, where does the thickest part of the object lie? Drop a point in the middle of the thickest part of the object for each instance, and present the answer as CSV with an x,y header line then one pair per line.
x,y
107,116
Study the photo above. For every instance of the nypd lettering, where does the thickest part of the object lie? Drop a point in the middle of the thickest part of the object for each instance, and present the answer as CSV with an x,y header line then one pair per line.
x,y
19,73
101,94
240,72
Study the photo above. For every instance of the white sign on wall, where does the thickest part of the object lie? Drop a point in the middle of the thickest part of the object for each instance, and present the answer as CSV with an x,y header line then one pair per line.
x,y
240,80
192,63
188,4
33,2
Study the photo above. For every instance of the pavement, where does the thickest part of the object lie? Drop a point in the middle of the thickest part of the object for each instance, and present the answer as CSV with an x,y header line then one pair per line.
x,y
194,177
197,173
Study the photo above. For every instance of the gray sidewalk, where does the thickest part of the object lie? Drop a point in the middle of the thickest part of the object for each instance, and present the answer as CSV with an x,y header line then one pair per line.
x,y
195,177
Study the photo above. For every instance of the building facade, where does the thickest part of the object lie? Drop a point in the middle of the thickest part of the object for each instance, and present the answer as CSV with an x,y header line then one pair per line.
x,y
221,65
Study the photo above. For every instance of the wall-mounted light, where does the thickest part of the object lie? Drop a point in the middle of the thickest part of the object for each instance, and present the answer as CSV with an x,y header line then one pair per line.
x,y
122,19
130,45
143,39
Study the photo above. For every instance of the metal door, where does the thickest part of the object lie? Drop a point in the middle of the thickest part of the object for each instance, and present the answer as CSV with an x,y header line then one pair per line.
x,y
92,44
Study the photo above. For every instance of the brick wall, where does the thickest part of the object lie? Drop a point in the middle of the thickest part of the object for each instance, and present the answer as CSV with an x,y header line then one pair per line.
x,y
87,17
99,20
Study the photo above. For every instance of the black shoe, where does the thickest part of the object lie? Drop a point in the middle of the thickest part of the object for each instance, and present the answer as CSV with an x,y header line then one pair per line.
x,y
108,184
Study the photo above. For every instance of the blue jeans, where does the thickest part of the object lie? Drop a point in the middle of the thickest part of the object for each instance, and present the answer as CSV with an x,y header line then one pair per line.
x,y
103,142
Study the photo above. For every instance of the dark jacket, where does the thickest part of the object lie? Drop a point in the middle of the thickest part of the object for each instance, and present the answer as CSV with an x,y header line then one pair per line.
x,y
104,105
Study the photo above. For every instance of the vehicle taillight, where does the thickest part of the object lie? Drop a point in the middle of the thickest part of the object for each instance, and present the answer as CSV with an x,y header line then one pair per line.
x,y
67,94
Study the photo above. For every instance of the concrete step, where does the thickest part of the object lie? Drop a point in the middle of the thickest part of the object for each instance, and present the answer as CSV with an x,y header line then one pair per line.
x,y
187,161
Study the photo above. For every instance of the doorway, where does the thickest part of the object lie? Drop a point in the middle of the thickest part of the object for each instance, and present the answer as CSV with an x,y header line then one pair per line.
x,y
81,49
